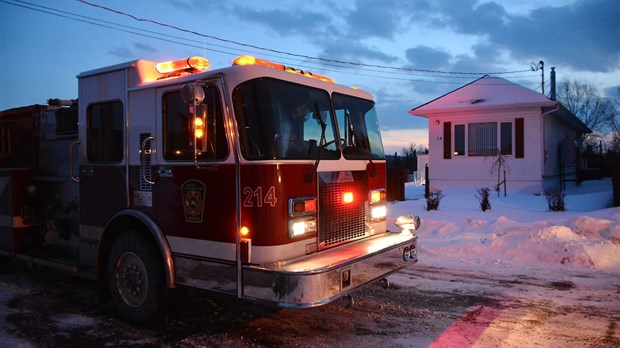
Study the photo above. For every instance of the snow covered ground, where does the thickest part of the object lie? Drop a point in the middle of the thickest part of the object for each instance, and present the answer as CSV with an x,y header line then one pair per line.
x,y
518,231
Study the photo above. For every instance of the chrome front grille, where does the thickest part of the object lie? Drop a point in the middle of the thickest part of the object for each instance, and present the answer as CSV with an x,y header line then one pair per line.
x,y
341,222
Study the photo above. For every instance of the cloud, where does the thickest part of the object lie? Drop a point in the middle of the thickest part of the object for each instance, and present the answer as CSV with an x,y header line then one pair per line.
x,y
582,35
121,52
144,47
393,114
424,57
483,59
125,52
372,18
354,51
465,17
288,21
337,39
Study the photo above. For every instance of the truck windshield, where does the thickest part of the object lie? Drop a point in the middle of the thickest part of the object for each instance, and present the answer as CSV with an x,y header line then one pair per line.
x,y
359,127
283,120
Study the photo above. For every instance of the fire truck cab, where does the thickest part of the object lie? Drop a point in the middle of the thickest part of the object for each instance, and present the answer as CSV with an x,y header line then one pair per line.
x,y
257,180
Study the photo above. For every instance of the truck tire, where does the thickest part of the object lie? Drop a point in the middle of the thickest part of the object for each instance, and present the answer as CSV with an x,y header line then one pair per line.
x,y
134,276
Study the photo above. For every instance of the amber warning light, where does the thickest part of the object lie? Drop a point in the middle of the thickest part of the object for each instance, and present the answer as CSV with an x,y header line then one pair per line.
x,y
186,64
199,127
249,60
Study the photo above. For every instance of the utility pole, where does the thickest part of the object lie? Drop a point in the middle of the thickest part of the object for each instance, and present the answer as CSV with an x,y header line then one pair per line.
x,y
552,87
542,76
541,66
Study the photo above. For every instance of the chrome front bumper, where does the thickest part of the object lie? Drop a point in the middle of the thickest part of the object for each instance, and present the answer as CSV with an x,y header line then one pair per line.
x,y
322,277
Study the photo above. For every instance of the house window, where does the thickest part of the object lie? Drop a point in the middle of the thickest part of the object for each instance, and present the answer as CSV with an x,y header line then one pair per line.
x,y
482,139
105,132
506,138
459,140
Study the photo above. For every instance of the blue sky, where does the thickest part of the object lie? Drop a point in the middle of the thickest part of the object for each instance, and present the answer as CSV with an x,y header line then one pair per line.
x,y
410,51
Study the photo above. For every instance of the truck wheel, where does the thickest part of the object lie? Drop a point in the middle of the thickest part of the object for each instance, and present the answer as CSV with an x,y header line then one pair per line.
x,y
134,277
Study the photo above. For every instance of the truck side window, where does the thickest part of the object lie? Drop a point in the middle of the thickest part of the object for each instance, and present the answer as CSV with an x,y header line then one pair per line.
x,y
105,132
178,136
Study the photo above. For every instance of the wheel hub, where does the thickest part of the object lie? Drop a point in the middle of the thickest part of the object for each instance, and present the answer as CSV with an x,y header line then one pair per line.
x,y
131,279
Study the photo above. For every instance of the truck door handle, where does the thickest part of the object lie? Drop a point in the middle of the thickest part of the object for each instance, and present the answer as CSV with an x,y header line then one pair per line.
x,y
144,151
73,178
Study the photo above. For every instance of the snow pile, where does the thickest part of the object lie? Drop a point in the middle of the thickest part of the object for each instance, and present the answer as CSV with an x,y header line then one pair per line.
x,y
518,231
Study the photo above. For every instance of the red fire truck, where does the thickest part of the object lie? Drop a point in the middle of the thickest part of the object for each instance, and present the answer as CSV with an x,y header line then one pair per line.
x,y
257,180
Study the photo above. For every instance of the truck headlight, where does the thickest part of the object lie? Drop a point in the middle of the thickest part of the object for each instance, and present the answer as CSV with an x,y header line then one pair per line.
x,y
377,205
378,212
301,227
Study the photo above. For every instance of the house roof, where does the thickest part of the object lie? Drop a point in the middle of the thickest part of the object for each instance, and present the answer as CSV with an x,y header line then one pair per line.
x,y
490,92
485,92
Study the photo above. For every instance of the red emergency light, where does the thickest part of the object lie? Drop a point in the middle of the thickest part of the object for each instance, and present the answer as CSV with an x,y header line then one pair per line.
x,y
347,197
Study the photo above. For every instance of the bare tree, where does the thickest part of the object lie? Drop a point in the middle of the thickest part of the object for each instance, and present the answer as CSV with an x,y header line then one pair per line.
x,y
413,150
585,101
410,150
615,125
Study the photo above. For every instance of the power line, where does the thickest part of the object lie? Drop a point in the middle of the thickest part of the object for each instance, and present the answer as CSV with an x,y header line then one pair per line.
x,y
290,53
394,73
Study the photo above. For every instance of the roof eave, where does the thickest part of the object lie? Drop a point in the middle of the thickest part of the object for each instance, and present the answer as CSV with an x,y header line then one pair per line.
x,y
426,112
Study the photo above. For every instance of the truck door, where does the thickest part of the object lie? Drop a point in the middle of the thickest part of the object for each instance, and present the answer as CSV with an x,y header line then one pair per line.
x,y
194,186
103,185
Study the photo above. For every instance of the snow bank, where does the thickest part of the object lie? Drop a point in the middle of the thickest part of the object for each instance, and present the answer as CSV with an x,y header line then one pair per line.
x,y
518,231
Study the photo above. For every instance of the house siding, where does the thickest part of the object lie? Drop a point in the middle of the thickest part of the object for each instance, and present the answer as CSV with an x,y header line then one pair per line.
x,y
523,174
555,131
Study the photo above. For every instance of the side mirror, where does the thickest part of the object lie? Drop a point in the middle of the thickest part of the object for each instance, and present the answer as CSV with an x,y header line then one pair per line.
x,y
191,93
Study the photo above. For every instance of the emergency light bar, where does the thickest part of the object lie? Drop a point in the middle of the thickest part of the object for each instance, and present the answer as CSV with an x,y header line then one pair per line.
x,y
185,64
249,60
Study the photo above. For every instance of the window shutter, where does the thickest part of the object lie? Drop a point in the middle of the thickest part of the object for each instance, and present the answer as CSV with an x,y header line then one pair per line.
x,y
519,138
447,140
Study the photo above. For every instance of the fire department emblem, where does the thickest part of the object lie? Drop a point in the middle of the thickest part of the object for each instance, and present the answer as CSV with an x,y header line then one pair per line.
x,y
193,200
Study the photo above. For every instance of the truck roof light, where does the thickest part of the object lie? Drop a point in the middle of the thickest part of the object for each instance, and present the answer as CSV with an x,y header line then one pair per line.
x,y
250,60
186,64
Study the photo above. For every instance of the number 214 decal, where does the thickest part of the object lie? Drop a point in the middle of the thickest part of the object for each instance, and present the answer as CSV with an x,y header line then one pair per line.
x,y
255,197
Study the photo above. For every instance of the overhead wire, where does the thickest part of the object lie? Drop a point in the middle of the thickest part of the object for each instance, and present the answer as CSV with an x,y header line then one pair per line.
x,y
290,53
333,65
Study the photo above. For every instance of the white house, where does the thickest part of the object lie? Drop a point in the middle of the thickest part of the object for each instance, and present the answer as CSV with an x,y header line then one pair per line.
x,y
474,125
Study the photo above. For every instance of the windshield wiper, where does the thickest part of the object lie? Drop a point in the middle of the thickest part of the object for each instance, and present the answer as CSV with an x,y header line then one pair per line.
x,y
322,141
357,146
